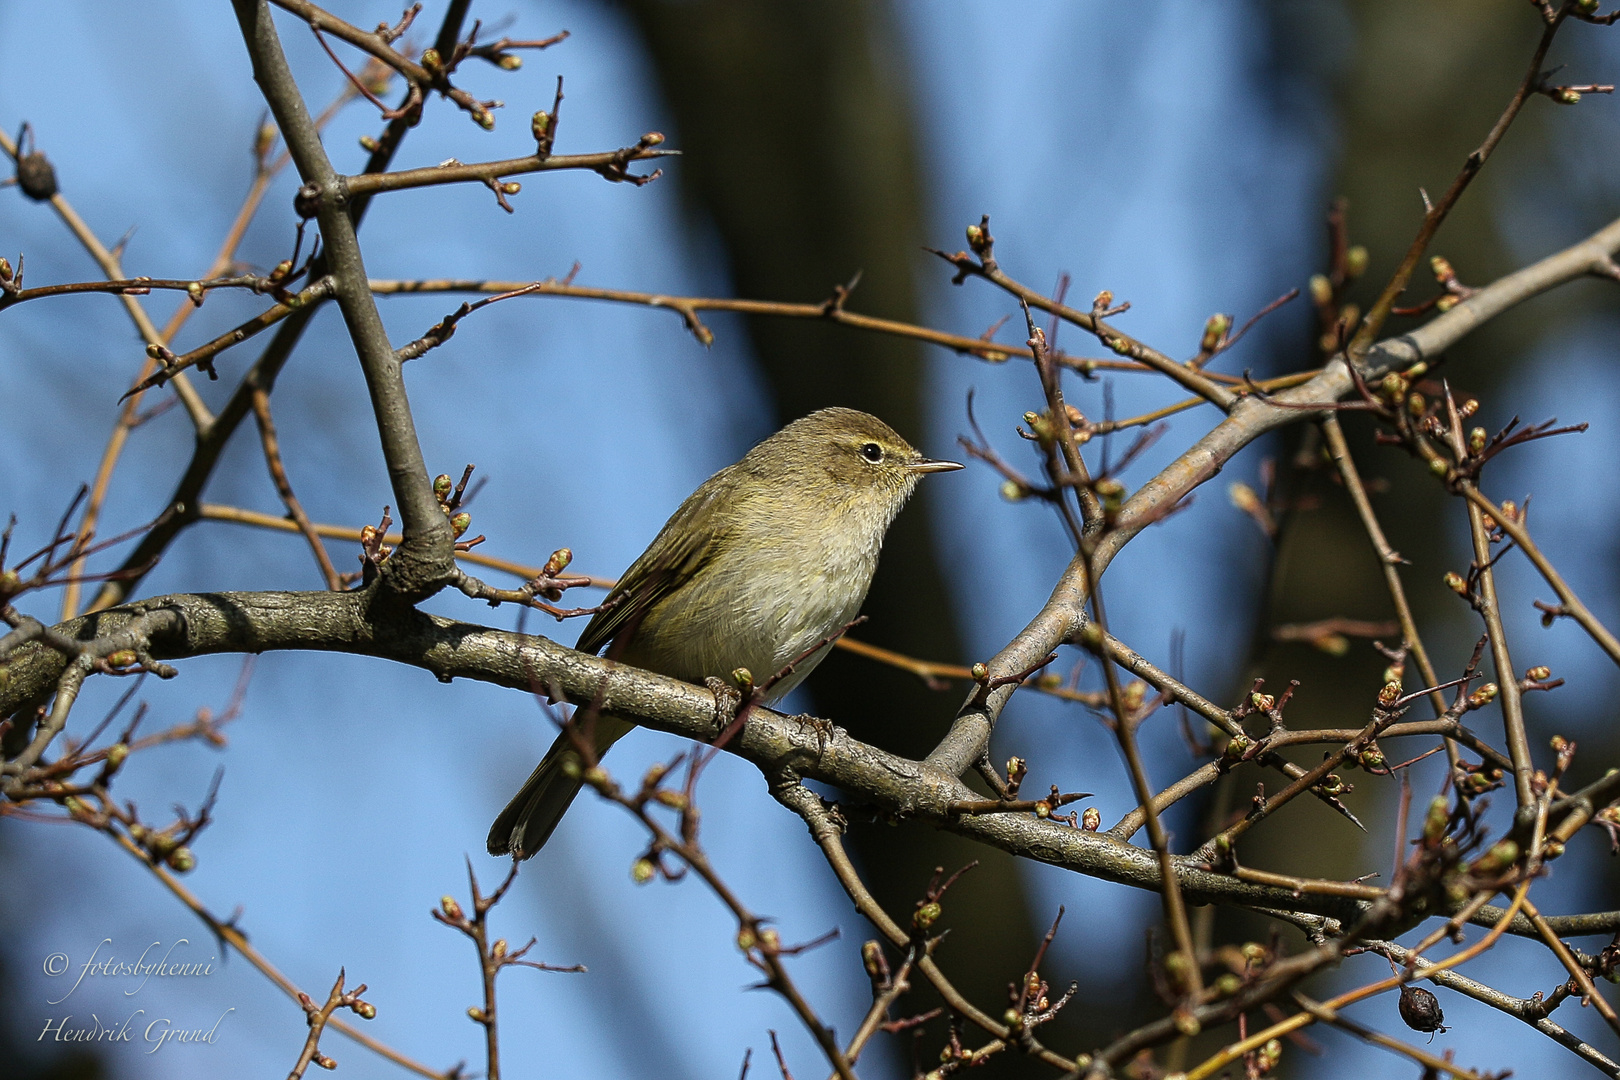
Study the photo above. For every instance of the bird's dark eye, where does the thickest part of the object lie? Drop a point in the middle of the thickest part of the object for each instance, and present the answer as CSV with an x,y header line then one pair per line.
x,y
872,452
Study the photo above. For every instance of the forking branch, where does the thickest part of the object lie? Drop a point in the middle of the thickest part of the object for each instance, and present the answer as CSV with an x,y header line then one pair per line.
x,y
1447,880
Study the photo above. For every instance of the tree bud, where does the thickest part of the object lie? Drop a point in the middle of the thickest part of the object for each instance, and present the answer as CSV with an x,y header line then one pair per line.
x,y
1499,858
36,177
1215,332
872,958
1434,822
978,238
1244,497
1420,1010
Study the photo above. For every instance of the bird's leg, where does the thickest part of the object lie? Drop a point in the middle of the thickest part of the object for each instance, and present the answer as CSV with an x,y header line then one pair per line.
x,y
726,700
824,729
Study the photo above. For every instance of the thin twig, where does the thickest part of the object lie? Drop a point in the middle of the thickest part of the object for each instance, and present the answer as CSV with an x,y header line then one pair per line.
x,y
278,474
1388,560
1436,214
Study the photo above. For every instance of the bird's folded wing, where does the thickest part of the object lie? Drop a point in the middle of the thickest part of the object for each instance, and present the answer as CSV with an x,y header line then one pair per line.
x,y
682,547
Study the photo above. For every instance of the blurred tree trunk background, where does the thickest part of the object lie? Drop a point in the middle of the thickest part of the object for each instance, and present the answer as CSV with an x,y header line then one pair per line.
x,y
1411,108
828,81
800,146
802,156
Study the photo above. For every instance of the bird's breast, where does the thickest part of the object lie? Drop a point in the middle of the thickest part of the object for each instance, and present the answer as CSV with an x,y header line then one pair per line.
x,y
760,607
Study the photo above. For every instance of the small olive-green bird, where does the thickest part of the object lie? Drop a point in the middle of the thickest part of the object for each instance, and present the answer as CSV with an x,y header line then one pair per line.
x,y
769,557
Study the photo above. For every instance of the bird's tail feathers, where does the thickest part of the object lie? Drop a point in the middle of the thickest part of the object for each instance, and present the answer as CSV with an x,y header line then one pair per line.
x,y
534,812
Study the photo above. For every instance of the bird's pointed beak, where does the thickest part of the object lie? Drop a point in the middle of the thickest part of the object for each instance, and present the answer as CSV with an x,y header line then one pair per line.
x,y
923,465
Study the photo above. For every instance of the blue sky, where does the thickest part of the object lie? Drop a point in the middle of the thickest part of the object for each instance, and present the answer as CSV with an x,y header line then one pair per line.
x,y
1135,147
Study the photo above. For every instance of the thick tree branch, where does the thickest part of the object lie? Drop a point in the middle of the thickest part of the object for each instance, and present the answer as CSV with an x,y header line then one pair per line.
x,y
1250,418
371,623
426,559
